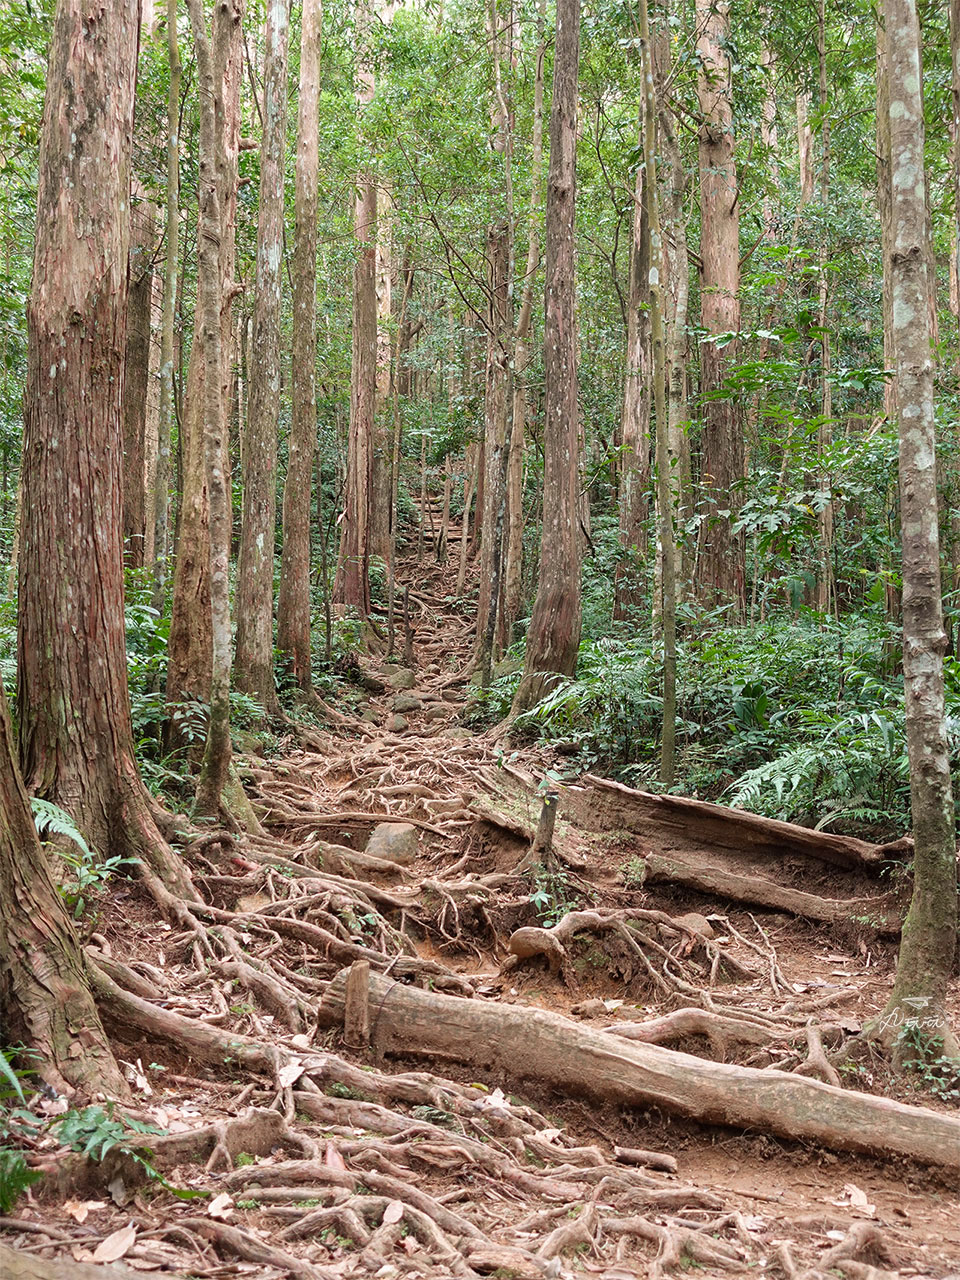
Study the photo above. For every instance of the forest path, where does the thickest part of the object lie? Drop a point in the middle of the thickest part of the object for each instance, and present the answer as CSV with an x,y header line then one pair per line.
x,y
324,1156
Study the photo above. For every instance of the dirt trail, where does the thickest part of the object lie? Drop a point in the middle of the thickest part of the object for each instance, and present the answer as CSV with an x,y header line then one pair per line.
x,y
355,1165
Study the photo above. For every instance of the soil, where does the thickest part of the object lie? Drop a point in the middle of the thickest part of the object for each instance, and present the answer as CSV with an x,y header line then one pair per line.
x,y
390,1168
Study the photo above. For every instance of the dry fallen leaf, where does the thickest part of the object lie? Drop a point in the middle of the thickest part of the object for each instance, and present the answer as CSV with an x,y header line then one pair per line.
x,y
301,1042
115,1245
393,1212
220,1206
80,1209
289,1074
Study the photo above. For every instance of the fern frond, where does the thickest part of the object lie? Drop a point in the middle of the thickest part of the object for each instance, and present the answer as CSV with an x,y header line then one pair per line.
x,y
50,819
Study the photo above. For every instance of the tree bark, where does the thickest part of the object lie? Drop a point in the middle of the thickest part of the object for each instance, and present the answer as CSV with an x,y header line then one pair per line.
x,y
160,507
721,567
136,379
293,604
554,634
217,751
928,942
45,1000
534,1044
190,645
76,737
253,667
351,585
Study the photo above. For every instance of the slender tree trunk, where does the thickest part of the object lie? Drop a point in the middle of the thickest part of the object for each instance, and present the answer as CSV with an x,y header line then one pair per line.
x,y
635,422
45,1000
523,354
217,752
928,940
825,429
168,409
721,569
190,646
136,378
554,634
293,605
381,486
76,737
253,666
665,488
351,585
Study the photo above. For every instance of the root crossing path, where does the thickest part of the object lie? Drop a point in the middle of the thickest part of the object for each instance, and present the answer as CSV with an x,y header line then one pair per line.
x,y
413,1029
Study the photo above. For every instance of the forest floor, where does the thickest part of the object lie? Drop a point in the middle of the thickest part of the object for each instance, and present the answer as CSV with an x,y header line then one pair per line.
x,y
334,1138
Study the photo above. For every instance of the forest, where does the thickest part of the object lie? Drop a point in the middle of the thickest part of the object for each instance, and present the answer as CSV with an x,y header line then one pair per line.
x,y
479,629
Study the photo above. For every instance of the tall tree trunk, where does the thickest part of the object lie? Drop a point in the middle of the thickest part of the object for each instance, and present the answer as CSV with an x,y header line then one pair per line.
x,y
928,940
497,404
293,604
721,568
554,634
351,585
76,737
522,355
253,667
217,752
136,379
635,421
825,428
45,1001
665,487
190,645
381,487
160,507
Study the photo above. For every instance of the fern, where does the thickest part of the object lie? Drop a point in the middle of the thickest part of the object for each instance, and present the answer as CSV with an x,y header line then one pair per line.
x,y
50,819
15,1177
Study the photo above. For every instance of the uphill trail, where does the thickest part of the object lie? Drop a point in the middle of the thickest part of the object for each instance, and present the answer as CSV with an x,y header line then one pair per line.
x,y
409,1032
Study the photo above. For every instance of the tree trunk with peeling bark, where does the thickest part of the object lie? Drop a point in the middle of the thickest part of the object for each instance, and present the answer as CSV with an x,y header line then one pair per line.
x,y
253,665
190,645
293,603
76,736
721,568
554,634
928,941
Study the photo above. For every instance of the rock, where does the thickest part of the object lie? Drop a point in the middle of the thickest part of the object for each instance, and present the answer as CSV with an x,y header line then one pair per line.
x,y
436,712
697,924
406,702
387,669
394,841
402,679
458,735
369,716
397,723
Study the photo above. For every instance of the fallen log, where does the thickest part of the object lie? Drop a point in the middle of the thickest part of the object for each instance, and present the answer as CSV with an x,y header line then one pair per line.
x,y
697,823
877,913
534,1044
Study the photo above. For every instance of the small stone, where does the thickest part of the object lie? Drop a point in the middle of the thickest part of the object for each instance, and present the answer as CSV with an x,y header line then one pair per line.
x,y
394,841
406,702
436,712
402,679
696,923
369,716
397,723
458,735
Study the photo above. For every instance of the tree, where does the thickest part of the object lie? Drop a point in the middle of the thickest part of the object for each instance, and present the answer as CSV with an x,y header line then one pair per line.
x,y
136,376
254,656
554,634
721,569
293,603
928,940
45,1000
352,581
76,737
190,644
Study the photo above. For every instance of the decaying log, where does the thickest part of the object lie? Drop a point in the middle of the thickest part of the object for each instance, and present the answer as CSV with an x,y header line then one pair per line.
x,y
696,824
877,913
534,1044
